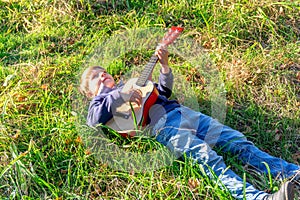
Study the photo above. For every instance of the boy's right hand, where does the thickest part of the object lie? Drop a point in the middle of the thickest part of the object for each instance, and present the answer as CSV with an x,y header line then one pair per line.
x,y
132,95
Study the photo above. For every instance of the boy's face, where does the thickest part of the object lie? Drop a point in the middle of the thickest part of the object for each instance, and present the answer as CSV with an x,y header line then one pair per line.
x,y
98,78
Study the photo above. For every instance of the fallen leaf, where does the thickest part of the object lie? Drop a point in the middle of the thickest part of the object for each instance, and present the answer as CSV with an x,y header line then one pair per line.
x,y
44,86
277,137
88,152
296,155
193,183
298,76
16,135
78,140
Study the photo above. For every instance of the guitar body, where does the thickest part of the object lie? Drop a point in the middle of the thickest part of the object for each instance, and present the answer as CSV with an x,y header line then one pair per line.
x,y
123,120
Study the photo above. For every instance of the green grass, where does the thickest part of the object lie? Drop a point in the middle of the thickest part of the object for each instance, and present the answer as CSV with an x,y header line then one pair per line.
x,y
253,45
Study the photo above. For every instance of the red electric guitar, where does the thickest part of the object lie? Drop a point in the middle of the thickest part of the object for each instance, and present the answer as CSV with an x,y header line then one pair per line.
x,y
129,115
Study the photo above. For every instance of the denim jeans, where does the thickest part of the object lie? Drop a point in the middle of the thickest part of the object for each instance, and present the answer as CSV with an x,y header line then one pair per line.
x,y
184,131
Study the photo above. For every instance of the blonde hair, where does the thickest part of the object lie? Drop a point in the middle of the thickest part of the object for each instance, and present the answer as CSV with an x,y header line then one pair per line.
x,y
84,81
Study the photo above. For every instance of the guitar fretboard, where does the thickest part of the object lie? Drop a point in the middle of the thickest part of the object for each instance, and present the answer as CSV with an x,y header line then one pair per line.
x,y
169,37
147,71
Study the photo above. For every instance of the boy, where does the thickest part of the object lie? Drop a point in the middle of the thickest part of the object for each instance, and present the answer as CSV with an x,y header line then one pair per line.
x,y
183,130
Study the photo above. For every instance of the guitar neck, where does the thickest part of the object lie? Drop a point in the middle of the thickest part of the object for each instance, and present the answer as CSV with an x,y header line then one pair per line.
x,y
147,71
169,38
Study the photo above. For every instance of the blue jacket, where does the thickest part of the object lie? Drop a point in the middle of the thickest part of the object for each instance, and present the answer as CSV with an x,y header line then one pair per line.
x,y
101,107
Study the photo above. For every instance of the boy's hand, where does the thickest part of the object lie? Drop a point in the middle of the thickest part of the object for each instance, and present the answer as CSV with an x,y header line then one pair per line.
x,y
132,95
162,54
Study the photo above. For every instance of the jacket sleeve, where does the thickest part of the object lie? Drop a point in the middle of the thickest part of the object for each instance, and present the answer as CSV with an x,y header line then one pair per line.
x,y
103,106
165,84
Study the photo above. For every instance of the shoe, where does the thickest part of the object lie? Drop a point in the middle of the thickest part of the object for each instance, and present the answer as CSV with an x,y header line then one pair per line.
x,y
295,179
286,192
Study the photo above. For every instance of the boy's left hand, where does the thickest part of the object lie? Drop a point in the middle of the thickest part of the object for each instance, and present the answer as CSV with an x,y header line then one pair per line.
x,y
162,54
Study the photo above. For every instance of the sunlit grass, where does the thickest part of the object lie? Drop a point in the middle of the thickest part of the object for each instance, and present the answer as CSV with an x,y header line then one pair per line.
x,y
43,49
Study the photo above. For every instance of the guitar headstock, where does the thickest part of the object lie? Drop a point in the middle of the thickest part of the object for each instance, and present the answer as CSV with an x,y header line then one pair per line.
x,y
171,35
